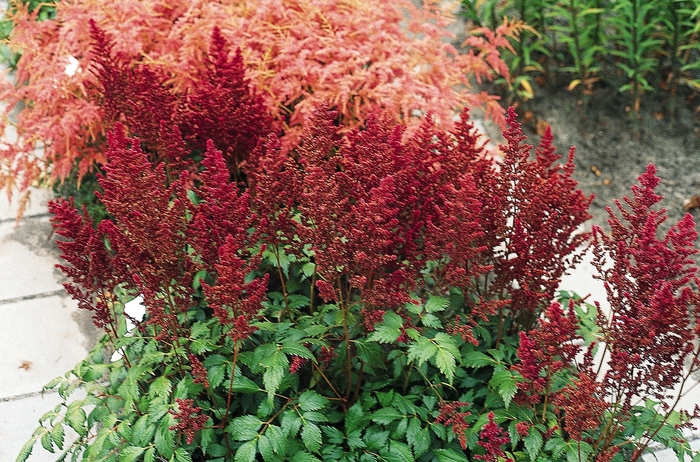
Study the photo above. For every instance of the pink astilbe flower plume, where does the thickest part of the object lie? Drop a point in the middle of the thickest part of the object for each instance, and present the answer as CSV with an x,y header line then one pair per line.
x,y
359,57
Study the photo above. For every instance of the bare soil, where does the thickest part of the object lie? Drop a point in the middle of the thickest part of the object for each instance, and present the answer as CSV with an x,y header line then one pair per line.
x,y
611,153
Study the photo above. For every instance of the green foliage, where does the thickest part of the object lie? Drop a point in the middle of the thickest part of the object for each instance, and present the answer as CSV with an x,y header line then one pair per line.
x,y
636,45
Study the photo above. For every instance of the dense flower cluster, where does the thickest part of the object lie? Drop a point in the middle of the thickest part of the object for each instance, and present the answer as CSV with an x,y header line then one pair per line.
x,y
492,438
649,331
258,260
645,340
189,419
361,57
451,416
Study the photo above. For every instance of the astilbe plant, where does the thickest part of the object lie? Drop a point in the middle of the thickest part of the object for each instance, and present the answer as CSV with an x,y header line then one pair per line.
x,y
222,108
610,399
355,55
335,309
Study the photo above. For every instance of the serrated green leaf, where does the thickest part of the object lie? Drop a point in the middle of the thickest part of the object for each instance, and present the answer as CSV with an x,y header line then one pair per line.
x,y
277,438
246,453
354,417
26,450
265,448
450,455
355,439
303,456
506,384
150,455
369,352
244,428
165,439
276,364
182,456
242,384
199,329
333,435
206,438
421,350
160,387
388,330
477,359
376,440
308,269
314,416
402,450
58,434
436,304
215,375
446,363
157,409
418,437
386,415
291,423
46,442
311,436
310,400
76,418
577,451
556,445
130,454
533,443
297,349
430,320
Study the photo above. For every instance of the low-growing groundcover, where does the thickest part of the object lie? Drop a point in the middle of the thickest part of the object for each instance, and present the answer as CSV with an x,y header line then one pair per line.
x,y
367,298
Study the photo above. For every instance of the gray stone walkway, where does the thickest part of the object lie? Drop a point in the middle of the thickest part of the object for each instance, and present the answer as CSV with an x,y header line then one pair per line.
x,y
43,334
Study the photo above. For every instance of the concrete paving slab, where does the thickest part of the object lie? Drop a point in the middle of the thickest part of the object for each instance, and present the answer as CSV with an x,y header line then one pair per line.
x,y
18,420
37,205
27,257
581,281
667,455
40,341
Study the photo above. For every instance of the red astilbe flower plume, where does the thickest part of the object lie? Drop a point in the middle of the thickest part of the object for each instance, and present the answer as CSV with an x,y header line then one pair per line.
x,y
88,265
374,209
274,182
147,229
546,350
531,210
648,333
349,224
223,211
581,404
235,302
221,108
451,416
189,422
492,438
